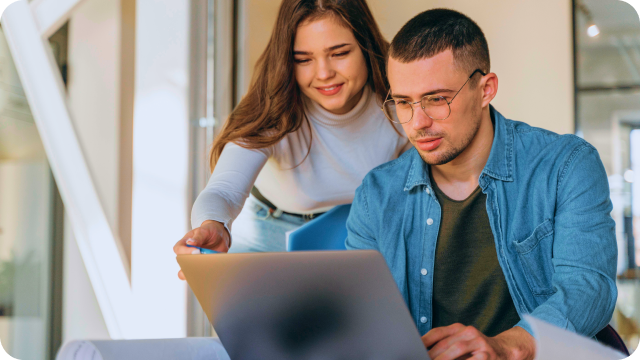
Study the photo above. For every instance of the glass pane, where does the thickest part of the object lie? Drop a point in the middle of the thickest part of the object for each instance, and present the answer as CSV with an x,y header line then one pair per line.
x,y
26,195
608,116
611,58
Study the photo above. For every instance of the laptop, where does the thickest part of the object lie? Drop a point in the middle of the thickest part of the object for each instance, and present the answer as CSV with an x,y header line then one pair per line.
x,y
304,305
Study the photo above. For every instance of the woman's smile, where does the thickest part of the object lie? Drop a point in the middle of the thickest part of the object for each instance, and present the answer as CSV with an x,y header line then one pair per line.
x,y
330,90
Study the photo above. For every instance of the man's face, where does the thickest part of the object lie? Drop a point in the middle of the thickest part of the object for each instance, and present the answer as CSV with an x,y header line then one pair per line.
x,y
437,141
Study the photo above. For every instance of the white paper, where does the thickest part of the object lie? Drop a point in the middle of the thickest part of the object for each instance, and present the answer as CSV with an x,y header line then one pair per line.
x,y
79,350
163,349
554,343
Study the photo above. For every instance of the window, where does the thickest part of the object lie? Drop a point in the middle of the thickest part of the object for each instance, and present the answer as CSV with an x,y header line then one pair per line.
x,y
30,223
607,59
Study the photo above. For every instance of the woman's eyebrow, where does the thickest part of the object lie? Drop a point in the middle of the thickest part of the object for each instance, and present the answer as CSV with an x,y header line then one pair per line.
x,y
329,49
336,47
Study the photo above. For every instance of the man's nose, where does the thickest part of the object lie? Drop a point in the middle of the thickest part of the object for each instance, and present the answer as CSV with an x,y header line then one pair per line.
x,y
324,70
420,118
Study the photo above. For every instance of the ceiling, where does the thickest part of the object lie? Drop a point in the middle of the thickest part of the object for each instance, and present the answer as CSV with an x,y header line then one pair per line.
x,y
613,15
616,20
613,57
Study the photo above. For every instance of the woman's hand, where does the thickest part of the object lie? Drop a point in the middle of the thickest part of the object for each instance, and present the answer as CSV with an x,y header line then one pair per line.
x,y
210,235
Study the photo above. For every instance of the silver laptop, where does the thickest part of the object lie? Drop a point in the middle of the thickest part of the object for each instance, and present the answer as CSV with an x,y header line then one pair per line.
x,y
304,305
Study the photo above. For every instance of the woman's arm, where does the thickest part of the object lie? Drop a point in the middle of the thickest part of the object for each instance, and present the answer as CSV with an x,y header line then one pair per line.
x,y
229,185
222,199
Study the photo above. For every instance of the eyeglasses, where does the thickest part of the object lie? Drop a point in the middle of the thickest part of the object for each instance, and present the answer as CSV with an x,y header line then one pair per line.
x,y
434,106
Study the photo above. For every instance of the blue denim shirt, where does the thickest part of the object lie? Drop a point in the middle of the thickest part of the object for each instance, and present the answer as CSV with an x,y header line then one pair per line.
x,y
549,209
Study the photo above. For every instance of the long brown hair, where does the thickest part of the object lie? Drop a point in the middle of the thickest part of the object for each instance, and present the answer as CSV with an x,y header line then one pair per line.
x,y
273,107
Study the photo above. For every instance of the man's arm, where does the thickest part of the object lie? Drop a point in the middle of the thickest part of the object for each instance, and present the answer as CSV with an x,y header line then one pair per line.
x,y
359,230
584,249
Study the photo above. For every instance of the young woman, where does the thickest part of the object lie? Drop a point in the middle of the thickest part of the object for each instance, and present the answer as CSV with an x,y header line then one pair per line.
x,y
305,135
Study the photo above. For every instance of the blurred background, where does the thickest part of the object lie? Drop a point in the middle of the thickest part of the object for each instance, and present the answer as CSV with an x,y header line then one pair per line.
x,y
147,83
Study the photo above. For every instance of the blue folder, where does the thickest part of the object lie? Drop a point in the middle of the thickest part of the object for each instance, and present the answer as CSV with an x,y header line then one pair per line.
x,y
326,232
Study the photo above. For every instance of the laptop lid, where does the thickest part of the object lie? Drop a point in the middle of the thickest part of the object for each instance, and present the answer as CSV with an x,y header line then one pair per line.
x,y
304,305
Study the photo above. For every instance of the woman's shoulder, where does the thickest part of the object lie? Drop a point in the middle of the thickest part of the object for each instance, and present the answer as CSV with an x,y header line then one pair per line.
x,y
240,146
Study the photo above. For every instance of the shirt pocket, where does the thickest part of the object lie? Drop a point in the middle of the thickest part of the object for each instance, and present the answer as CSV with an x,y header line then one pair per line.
x,y
535,253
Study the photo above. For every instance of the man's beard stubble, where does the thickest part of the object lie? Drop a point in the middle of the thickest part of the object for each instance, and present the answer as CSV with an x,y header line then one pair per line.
x,y
449,154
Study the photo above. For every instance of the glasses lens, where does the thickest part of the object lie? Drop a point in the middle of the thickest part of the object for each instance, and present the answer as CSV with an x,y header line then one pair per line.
x,y
436,107
400,112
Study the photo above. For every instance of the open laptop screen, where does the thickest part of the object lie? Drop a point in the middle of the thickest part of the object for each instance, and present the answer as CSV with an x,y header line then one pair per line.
x,y
304,305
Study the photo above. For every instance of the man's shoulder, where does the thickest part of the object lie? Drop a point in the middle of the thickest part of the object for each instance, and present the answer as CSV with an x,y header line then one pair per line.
x,y
535,141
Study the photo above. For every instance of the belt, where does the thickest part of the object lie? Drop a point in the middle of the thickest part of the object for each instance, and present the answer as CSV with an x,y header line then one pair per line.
x,y
275,212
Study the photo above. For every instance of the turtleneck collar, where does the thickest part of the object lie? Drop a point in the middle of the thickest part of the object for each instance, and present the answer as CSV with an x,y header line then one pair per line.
x,y
318,114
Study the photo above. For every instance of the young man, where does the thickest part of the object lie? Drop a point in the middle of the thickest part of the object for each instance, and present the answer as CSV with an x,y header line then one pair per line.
x,y
486,219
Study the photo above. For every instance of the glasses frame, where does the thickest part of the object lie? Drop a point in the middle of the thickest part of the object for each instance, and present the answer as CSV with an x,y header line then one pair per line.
x,y
422,99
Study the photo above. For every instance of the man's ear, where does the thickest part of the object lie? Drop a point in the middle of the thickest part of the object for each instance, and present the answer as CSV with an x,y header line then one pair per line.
x,y
489,85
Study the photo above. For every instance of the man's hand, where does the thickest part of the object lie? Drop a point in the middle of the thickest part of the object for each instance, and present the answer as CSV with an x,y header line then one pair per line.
x,y
466,342
210,235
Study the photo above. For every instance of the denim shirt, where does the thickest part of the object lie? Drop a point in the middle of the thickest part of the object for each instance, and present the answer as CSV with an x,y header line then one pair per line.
x,y
549,209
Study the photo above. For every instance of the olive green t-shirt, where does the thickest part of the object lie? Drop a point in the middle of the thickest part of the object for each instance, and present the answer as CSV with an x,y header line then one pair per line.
x,y
468,283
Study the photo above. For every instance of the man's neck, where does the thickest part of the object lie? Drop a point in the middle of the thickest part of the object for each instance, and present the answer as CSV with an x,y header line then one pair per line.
x,y
459,177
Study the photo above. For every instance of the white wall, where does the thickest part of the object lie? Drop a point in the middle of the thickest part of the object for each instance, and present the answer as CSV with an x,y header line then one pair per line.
x,y
161,162
93,89
81,315
530,43
100,87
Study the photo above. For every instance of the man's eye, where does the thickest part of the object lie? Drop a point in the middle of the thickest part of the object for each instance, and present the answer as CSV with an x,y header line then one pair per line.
x,y
436,101
402,103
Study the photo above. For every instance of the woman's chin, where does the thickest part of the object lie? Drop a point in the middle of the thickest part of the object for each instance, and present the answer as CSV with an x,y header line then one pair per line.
x,y
335,107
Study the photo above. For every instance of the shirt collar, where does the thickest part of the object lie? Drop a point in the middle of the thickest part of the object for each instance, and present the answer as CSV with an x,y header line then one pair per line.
x,y
418,172
499,165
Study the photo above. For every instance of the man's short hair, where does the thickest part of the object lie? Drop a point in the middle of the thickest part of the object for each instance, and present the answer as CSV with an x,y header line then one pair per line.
x,y
434,31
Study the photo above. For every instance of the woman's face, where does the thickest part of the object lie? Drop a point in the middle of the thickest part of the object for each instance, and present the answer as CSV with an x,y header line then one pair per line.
x,y
329,65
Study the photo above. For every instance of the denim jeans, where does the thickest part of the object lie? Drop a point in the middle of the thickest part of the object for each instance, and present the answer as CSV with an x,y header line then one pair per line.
x,y
255,230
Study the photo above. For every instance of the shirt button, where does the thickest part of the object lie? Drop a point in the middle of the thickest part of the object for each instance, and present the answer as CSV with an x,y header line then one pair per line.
x,y
429,221
428,191
423,271
423,319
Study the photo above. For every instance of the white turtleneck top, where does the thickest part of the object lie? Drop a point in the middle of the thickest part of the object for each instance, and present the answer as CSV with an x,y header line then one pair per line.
x,y
344,148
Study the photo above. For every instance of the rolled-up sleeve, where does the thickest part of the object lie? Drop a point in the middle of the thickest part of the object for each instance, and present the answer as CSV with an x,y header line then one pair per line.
x,y
584,249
